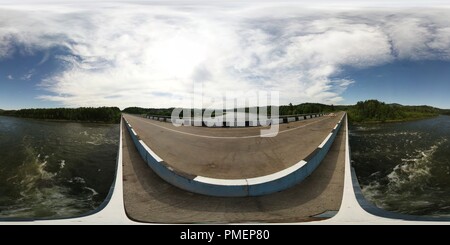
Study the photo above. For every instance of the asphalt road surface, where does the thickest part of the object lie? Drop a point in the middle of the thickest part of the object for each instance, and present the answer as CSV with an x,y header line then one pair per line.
x,y
232,153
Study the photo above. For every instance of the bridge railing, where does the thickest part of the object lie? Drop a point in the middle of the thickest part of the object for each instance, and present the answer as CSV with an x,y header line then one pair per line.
x,y
230,123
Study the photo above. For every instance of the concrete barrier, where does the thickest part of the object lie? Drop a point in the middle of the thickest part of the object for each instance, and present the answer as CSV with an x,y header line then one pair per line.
x,y
277,121
197,123
228,123
253,123
264,122
258,186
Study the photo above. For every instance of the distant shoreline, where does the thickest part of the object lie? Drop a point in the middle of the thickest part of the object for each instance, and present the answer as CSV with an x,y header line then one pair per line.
x,y
61,120
106,115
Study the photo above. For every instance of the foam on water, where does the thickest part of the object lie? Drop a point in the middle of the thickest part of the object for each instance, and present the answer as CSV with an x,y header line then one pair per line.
x,y
405,167
414,171
62,164
48,171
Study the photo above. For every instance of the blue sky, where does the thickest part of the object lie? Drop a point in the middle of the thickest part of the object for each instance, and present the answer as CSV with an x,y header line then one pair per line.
x,y
405,82
21,75
151,54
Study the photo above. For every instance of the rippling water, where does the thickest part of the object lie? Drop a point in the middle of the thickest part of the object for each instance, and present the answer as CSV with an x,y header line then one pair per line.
x,y
54,169
405,167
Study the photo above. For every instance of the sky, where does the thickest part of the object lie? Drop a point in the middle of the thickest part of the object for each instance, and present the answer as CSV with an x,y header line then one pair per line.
x,y
151,53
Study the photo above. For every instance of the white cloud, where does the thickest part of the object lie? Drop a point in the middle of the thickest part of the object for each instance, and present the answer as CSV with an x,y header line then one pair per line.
x,y
5,46
150,55
27,76
10,77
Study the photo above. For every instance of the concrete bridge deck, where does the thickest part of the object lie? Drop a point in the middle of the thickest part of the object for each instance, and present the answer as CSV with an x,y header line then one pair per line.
x,y
148,198
232,153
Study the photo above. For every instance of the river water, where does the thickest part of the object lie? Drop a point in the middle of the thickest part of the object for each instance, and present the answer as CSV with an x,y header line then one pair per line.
x,y
54,169
404,167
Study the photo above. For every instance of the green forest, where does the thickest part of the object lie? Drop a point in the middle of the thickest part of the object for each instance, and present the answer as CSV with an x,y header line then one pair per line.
x,y
84,114
149,111
376,111
307,108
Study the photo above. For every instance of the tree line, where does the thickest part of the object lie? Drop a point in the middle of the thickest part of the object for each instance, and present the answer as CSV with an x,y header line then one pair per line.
x,y
446,112
149,111
363,111
376,111
84,114
305,108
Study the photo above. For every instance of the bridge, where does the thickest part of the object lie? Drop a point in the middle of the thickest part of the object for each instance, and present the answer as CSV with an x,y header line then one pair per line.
x,y
233,161
168,174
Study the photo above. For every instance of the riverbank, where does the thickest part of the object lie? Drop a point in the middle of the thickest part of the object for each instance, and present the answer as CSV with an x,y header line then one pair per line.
x,y
374,111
